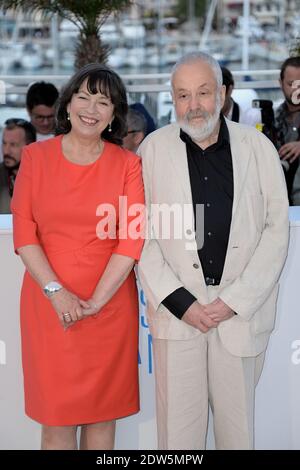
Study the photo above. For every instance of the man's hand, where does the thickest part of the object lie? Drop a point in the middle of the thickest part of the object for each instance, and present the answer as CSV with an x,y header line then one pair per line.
x,y
290,151
197,317
218,311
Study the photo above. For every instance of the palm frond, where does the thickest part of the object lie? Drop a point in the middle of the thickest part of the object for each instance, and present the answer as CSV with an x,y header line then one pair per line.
x,y
88,16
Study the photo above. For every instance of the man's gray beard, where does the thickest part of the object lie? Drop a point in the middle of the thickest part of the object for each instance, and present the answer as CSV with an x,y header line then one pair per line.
x,y
200,133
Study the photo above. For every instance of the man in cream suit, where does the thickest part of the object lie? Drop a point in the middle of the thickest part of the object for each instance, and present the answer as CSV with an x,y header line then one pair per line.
x,y
211,289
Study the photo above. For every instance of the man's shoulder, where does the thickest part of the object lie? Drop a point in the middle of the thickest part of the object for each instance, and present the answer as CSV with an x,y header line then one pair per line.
x,y
158,145
171,131
237,128
243,134
279,105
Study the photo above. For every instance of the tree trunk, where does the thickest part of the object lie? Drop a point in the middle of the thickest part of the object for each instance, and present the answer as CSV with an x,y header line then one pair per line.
x,y
90,49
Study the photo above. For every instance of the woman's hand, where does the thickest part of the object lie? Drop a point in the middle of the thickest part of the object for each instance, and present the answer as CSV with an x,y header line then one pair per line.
x,y
90,307
68,306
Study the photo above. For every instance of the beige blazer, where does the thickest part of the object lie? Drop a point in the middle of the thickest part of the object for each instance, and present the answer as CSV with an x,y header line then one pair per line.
x,y
257,245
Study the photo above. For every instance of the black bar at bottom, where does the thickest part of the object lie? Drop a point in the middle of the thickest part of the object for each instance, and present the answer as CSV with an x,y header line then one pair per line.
x,y
135,458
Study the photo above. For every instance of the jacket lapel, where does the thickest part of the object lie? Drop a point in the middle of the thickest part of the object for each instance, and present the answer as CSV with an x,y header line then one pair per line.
x,y
179,160
177,151
240,160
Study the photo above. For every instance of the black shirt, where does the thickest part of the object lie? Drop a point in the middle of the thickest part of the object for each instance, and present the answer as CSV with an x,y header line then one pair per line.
x,y
211,178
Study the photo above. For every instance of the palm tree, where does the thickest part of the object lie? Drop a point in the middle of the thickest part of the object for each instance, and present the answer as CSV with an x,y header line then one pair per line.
x,y
88,16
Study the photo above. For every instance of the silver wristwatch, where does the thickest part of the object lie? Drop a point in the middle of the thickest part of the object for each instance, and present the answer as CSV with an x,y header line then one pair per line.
x,y
51,288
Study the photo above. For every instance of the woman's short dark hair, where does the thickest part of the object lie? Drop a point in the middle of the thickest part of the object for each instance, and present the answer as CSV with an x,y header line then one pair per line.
x,y
99,78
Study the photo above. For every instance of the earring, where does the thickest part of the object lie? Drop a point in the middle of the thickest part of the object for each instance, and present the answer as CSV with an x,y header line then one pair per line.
x,y
68,116
109,127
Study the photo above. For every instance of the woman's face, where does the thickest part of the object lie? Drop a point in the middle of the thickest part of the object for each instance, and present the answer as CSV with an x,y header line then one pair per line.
x,y
90,114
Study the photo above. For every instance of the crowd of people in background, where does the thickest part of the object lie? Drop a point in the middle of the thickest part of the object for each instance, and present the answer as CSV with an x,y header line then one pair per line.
x,y
42,97
281,125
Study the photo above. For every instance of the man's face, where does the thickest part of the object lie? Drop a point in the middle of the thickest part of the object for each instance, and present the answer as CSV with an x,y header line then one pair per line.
x,y
133,139
196,99
227,101
13,140
290,85
43,118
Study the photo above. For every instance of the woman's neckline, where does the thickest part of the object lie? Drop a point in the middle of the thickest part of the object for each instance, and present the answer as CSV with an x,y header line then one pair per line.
x,y
81,165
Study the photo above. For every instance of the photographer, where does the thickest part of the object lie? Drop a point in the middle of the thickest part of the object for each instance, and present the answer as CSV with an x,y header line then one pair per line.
x,y
283,127
287,119
234,110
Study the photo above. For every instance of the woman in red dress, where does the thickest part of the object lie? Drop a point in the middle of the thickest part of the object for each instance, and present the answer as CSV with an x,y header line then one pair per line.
x,y
78,211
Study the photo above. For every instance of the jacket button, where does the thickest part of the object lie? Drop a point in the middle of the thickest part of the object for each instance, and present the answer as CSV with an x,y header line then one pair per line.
x,y
196,266
189,232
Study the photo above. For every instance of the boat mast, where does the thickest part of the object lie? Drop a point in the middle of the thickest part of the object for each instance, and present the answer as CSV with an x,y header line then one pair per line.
x,y
246,32
208,24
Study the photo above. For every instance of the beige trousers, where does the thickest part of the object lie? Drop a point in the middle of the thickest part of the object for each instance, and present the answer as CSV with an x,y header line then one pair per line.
x,y
190,374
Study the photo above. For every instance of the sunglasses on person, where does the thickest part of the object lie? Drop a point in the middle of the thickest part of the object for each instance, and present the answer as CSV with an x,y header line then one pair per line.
x,y
16,122
133,131
41,117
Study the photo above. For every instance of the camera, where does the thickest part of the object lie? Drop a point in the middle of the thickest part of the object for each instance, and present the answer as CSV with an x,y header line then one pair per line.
x,y
268,124
267,119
